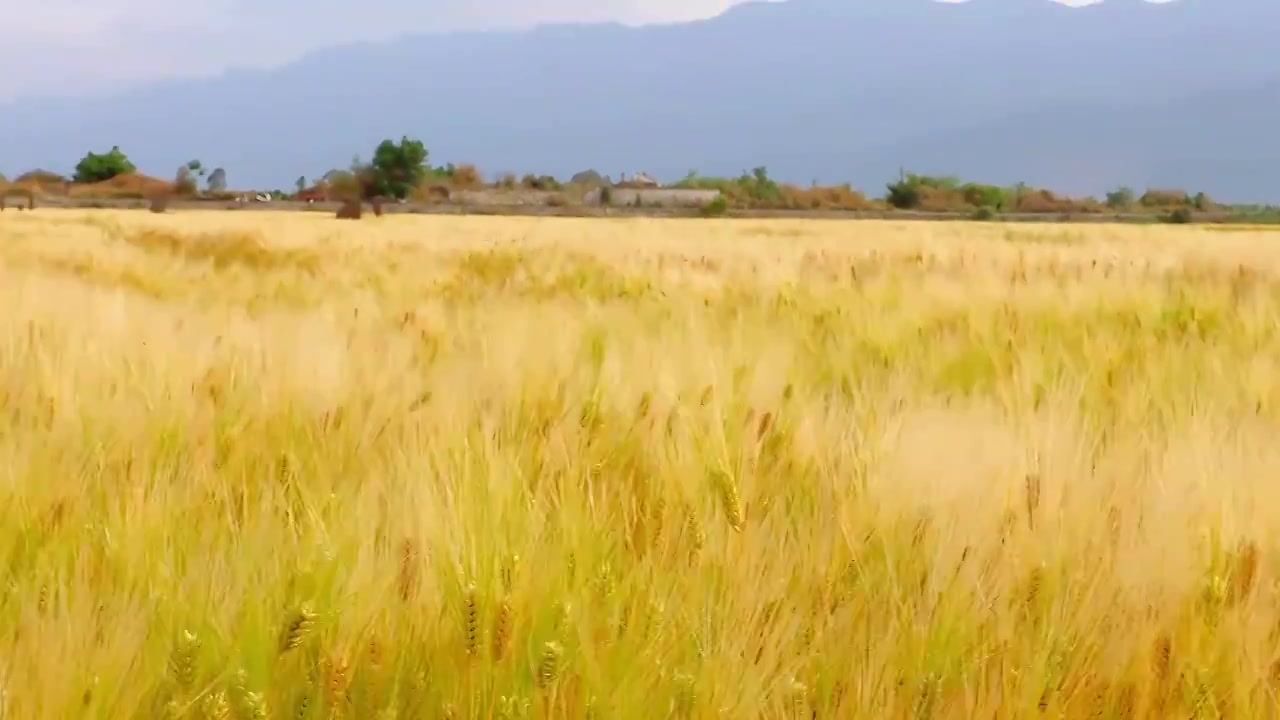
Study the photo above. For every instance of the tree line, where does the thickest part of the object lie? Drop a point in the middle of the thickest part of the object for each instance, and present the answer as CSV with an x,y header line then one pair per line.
x,y
400,170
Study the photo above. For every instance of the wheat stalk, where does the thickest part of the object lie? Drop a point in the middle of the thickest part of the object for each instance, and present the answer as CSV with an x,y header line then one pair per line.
x,y
549,664
337,684
408,577
1245,572
297,629
471,620
216,706
502,622
730,501
182,660
1032,487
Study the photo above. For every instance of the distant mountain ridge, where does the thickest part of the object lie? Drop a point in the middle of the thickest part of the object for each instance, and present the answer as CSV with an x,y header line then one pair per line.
x,y
1076,99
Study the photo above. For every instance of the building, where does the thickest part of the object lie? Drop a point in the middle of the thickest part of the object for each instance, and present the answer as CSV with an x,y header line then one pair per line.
x,y
620,196
639,180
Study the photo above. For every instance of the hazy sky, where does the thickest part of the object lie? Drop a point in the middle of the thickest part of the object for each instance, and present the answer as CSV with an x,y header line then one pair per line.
x,y
71,46
76,46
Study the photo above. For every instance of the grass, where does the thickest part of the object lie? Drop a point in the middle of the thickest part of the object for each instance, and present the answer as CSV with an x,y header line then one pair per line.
x,y
279,466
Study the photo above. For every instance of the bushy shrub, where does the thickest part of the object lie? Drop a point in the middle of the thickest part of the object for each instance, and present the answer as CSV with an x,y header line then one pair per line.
x,y
985,196
540,182
1157,198
350,210
820,197
718,207
913,192
983,214
467,177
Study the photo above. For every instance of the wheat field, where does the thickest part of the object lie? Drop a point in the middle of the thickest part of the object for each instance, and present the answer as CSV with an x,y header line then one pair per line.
x,y
263,465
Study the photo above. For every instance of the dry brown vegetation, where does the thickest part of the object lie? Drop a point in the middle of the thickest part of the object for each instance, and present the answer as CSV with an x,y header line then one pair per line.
x,y
840,197
132,185
281,466
350,210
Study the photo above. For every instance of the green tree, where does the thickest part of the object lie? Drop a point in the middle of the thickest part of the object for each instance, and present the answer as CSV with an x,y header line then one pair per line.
x,y
980,195
1121,198
905,194
760,188
397,169
908,192
96,168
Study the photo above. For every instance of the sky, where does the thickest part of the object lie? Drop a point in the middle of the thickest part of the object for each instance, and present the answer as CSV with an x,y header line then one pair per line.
x,y
71,47
74,47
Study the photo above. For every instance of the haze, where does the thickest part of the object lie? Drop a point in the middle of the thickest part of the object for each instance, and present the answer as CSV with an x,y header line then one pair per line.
x,y
831,91
157,39
148,40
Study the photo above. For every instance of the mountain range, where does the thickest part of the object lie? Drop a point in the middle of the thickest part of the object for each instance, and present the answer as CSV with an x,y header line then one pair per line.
x,y
1180,94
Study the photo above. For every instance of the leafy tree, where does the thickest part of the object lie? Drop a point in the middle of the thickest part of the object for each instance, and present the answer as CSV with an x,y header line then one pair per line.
x,y
301,183
905,194
96,168
1121,198
760,189
397,169
985,196
909,191
218,180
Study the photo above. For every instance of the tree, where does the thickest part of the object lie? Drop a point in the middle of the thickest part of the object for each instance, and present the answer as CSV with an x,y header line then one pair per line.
x,y
184,183
218,180
905,194
397,169
989,196
97,168
345,184
301,183
1121,198
760,188
909,192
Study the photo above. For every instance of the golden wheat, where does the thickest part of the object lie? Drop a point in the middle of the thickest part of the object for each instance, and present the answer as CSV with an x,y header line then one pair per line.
x,y
254,465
